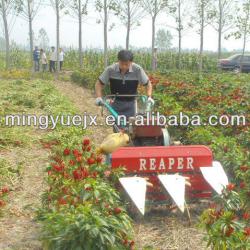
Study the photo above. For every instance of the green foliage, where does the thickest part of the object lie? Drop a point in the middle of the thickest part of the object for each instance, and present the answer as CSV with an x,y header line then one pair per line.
x,y
93,60
82,209
37,97
79,78
86,78
19,59
163,39
201,135
242,23
8,176
81,228
227,151
227,222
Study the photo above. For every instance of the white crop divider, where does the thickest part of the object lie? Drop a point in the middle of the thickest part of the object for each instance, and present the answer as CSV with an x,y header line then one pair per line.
x,y
215,176
175,185
136,189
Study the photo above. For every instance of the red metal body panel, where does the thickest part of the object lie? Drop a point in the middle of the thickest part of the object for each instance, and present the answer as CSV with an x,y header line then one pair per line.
x,y
151,161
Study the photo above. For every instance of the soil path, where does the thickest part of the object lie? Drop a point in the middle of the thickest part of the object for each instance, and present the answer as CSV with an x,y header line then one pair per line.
x,y
84,101
18,230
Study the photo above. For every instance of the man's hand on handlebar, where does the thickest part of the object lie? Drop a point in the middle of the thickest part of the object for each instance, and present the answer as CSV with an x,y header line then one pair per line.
x,y
150,100
98,101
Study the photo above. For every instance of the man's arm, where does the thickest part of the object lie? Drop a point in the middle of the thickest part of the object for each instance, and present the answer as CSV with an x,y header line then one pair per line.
x,y
149,89
101,82
99,88
144,80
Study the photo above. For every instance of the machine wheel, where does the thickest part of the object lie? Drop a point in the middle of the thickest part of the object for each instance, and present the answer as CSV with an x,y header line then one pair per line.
x,y
163,140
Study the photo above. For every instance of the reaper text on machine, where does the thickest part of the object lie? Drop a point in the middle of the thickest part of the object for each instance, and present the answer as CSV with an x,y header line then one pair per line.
x,y
166,163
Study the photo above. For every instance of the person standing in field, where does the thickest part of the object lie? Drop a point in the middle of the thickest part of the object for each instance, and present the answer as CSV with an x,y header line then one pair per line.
x,y
53,59
123,78
61,58
36,59
43,60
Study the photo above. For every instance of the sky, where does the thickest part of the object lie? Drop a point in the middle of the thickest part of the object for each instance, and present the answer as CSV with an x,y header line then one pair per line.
x,y
93,32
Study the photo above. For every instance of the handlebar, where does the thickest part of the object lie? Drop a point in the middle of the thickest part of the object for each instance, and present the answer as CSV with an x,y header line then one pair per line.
x,y
106,104
118,95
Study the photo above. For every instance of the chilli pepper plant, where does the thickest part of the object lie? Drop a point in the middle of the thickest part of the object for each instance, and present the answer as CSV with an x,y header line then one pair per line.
x,y
81,208
3,195
8,176
227,222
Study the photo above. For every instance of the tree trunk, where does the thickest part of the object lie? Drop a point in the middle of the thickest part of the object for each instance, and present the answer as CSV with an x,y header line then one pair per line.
x,y
246,25
57,34
179,50
244,44
105,33
30,32
179,34
6,33
153,44
128,25
80,33
201,37
220,30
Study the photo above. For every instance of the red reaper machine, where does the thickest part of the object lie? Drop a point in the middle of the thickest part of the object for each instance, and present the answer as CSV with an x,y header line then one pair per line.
x,y
156,170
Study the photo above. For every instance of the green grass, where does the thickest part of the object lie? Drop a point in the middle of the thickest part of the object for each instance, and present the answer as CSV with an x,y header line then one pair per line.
x,y
37,97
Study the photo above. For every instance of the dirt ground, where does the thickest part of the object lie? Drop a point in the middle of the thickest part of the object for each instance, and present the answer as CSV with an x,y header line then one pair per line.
x,y
19,231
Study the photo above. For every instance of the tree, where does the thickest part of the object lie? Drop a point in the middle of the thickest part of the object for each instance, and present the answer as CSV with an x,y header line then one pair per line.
x,y
154,8
43,39
180,11
223,19
130,15
163,39
79,10
203,17
243,26
105,8
29,9
8,8
2,43
58,5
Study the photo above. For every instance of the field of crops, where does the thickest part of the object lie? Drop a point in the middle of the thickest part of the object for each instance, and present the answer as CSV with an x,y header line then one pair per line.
x,y
73,184
21,144
175,176
94,59
227,221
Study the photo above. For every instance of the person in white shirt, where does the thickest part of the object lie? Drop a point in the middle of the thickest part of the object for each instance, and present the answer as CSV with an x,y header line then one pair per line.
x,y
43,60
61,57
53,59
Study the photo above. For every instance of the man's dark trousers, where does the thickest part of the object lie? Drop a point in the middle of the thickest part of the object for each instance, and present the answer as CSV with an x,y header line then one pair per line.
x,y
126,108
